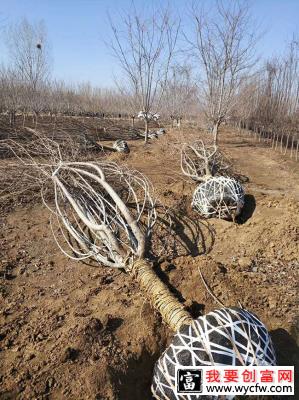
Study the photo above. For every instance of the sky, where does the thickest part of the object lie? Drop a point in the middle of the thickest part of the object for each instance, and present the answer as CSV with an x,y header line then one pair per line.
x,y
78,31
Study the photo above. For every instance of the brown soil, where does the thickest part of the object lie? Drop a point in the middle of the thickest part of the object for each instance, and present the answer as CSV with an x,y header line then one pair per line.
x,y
72,331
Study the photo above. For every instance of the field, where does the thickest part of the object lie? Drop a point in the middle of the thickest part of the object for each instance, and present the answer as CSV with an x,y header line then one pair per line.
x,y
69,330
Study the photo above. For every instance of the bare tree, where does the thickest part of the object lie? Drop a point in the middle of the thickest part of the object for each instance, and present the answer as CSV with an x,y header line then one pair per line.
x,y
223,45
268,102
30,59
12,93
144,47
180,93
29,51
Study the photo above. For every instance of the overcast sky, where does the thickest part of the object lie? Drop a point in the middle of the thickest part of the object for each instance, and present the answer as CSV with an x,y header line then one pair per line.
x,y
78,30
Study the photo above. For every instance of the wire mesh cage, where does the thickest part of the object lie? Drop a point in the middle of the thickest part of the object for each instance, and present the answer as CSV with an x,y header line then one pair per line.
x,y
219,196
121,146
228,336
161,131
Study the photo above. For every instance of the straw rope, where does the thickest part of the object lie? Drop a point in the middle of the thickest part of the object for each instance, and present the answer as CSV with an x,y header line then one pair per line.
x,y
172,311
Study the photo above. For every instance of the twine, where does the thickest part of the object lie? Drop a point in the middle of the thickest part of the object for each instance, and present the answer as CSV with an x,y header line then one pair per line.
x,y
172,311
220,197
228,336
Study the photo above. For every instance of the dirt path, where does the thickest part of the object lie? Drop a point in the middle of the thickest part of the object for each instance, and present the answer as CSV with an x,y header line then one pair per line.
x,y
269,170
73,331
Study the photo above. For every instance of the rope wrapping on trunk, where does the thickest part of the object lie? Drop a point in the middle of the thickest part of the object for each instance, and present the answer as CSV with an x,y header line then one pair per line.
x,y
171,310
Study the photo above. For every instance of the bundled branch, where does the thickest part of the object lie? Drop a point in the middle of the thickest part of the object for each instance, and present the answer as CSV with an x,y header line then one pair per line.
x,y
27,157
148,116
20,181
93,220
198,161
71,144
216,195
119,145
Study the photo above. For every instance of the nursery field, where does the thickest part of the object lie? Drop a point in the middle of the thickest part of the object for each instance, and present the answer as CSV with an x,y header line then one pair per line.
x,y
71,330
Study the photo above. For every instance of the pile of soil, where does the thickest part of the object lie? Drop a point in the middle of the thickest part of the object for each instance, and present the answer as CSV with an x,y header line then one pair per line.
x,y
69,330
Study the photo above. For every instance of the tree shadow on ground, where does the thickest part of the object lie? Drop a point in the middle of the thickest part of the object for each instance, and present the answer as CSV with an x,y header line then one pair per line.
x,y
178,234
135,382
287,352
246,143
248,209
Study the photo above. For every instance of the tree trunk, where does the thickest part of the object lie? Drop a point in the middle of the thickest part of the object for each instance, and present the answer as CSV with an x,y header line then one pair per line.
x,y
281,140
293,137
274,140
54,124
287,144
133,122
12,119
172,311
146,132
215,132
277,139
255,132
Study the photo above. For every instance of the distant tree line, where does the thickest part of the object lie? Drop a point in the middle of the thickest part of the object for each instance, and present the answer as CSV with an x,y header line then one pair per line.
x,y
268,102
211,70
27,89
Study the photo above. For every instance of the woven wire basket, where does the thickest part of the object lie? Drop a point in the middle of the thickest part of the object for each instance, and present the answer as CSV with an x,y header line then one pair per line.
x,y
219,196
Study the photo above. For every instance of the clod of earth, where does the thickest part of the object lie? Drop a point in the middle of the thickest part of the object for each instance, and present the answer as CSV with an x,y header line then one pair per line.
x,y
217,195
208,340
220,197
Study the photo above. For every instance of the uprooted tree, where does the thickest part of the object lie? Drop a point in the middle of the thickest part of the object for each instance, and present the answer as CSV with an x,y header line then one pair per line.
x,y
106,213
217,194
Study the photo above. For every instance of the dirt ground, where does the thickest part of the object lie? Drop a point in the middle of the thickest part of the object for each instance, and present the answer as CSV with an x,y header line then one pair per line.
x,y
72,331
